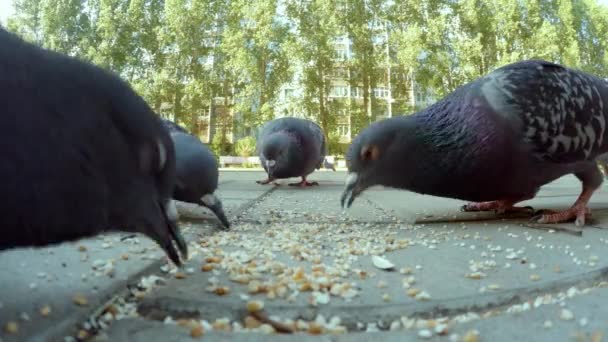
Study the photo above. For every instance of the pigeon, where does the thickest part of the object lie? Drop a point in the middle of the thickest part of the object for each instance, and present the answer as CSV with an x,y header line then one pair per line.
x,y
492,142
196,171
291,147
82,153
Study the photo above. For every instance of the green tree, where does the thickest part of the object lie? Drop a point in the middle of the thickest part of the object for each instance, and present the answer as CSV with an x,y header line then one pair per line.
x,y
26,21
316,25
255,40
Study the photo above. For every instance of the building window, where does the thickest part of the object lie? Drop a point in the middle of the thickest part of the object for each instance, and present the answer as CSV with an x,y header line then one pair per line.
x,y
342,130
338,92
380,93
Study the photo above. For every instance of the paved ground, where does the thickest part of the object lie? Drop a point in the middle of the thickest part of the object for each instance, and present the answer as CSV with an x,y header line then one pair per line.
x,y
311,264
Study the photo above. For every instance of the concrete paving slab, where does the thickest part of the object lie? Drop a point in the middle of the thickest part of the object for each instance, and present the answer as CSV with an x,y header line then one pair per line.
x,y
47,279
50,277
307,259
440,269
579,316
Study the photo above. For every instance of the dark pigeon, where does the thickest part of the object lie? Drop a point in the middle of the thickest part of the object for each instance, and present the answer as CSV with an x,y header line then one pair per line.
x,y
197,172
82,154
494,141
291,147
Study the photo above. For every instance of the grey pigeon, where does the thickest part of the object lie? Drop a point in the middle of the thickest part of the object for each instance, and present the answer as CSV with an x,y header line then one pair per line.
x,y
494,141
291,147
82,154
197,172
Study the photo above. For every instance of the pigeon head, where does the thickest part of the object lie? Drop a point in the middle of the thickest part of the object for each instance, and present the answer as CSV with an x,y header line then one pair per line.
x,y
157,217
379,155
276,152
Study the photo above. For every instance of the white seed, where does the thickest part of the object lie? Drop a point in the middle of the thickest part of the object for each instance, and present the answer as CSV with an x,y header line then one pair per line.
x,y
382,263
395,325
548,324
566,315
425,333
441,329
583,322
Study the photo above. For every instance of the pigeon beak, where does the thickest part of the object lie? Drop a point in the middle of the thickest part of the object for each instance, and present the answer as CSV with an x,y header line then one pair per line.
x,y
214,204
270,166
351,190
170,216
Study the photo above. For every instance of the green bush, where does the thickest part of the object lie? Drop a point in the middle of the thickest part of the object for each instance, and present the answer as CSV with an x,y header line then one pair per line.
x,y
334,146
220,145
245,147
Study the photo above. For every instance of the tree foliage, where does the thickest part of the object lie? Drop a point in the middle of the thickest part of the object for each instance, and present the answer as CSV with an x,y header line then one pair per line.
x,y
218,66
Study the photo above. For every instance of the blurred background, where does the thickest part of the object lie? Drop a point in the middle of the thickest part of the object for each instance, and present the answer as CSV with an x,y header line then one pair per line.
x,y
223,68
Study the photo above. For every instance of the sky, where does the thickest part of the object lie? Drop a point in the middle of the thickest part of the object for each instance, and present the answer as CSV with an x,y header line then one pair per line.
x,y
6,8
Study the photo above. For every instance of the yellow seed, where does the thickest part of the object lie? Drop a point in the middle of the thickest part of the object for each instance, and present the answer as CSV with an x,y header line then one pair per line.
x,y
251,322
315,329
221,325
213,259
534,277
125,256
413,292
80,299
45,310
471,336
255,305
139,295
180,275
299,275
306,287
241,279
112,309
207,267
318,268
253,287
82,248
197,331
11,327
82,334
222,291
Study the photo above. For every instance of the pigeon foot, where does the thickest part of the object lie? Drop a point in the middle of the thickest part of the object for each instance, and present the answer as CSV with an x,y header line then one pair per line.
x,y
579,213
265,181
500,207
304,183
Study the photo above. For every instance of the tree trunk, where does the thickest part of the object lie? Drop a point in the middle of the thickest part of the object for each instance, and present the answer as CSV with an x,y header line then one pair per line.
x,y
389,87
322,109
212,119
372,100
366,90
177,103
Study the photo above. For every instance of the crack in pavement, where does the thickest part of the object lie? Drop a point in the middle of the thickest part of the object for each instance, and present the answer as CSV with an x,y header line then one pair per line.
x,y
234,309
120,289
